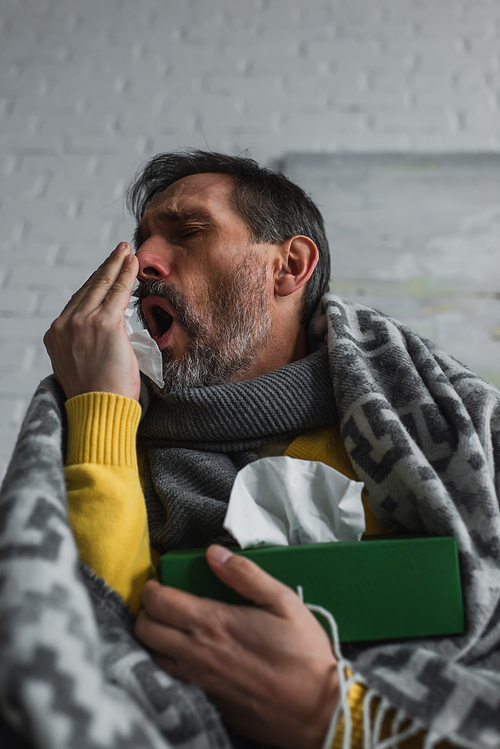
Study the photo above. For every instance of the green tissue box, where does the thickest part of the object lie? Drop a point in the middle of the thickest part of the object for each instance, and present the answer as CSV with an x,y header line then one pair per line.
x,y
382,587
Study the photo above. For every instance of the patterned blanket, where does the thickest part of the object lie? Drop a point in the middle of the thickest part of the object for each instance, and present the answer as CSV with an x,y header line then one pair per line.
x,y
423,433
71,672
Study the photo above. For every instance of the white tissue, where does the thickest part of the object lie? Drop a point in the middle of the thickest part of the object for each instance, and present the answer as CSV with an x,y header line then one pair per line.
x,y
146,350
284,501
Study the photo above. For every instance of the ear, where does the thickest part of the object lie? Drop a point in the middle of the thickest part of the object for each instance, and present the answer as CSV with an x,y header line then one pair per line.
x,y
298,258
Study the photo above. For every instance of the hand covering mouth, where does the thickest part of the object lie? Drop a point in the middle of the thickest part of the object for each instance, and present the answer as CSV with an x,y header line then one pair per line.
x,y
158,317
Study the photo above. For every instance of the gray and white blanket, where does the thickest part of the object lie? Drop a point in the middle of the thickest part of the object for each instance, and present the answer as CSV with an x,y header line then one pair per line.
x,y
71,672
423,433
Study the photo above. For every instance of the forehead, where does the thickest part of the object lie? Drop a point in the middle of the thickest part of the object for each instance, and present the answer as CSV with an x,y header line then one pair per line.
x,y
211,193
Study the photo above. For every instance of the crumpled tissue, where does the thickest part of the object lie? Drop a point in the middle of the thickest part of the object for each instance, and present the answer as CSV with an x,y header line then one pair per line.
x,y
146,350
284,501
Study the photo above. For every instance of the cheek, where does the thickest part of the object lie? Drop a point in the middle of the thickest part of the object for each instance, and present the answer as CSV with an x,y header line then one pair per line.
x,y
200,281
179,342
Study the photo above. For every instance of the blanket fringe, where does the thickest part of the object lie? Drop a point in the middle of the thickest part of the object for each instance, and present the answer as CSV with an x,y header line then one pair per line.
x,y
344,681
372,725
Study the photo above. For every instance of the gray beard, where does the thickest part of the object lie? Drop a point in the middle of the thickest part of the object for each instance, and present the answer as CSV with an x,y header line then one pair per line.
x,y
240,324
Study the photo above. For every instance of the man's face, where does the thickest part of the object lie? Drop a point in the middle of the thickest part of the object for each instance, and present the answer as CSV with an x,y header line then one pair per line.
x,y
205,293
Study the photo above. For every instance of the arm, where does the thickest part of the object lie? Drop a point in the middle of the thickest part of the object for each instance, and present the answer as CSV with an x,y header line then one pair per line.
x,y
94,362
106,506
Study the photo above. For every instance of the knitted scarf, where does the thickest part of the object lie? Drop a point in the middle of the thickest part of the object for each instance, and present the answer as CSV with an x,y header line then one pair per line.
x,y
197,440
422,431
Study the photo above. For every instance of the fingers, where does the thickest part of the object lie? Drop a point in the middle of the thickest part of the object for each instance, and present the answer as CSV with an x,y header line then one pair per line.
x,y
173,607
120,291
88,343
158,636
170,647
169,665
184,631
250,581
96,288
269,674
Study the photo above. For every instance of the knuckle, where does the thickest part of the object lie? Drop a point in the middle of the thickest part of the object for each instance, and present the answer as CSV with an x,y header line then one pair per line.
x,y
54,331
213,627
97,322
103,279
77,322
207,665
141,626
287,597
153,597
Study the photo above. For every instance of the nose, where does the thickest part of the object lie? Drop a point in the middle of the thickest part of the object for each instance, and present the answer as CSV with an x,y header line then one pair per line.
x,y
151,265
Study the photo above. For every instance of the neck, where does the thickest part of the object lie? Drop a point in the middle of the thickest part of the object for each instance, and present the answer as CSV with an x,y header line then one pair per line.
x,y
281,350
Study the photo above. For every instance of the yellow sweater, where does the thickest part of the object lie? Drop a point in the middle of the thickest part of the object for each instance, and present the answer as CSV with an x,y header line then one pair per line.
x,y
108,516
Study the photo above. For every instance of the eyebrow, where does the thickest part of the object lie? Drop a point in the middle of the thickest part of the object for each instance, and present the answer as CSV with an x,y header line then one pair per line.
x,y
178,216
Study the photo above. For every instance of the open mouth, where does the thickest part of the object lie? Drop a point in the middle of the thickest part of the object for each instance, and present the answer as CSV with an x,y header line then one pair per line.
x,y
158,318
162,319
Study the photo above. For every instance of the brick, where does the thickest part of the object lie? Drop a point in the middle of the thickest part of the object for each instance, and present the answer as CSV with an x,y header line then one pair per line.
x,y
369,101
366,141
30,253
29,330
7,442
24,383
53,303
486,121
14,354
407,122
46,278
16,303
438,99
11,412
452,142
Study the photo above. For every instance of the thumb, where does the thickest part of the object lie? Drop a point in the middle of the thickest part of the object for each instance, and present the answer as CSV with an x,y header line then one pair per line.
x,y
249,580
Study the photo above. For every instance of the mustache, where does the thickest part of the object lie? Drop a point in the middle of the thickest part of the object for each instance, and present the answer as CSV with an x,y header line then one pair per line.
x,y
184,314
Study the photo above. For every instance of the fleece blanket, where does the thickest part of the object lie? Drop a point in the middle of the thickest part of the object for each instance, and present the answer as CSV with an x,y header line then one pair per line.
x,y
423,433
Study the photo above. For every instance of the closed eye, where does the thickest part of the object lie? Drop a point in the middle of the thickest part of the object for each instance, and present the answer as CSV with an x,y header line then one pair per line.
x,y
190,232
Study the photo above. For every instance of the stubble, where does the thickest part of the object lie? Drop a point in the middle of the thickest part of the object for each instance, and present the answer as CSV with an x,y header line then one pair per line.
x,y
224,341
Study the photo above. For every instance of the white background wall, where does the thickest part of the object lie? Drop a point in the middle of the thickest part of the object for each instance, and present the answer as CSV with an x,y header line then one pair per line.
x,y
89,89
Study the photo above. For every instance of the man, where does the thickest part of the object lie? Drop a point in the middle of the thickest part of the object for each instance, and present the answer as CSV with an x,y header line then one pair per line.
x,y
232,262
232,309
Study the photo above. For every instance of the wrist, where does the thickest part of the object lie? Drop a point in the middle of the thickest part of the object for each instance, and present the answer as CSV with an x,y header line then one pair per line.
x,y
320,722
126,387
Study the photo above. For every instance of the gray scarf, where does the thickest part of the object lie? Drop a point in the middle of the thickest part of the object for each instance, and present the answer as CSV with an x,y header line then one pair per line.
x,y
422,431
197,440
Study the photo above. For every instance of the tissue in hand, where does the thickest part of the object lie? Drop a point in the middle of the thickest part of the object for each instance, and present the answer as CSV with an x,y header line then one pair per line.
x,y
284,501
147,352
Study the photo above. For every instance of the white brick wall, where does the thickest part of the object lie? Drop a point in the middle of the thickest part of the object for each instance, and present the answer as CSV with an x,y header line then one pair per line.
x,y
91,88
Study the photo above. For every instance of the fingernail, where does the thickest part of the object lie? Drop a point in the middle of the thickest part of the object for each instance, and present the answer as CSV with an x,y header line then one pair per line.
x,y
121,246
220,554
